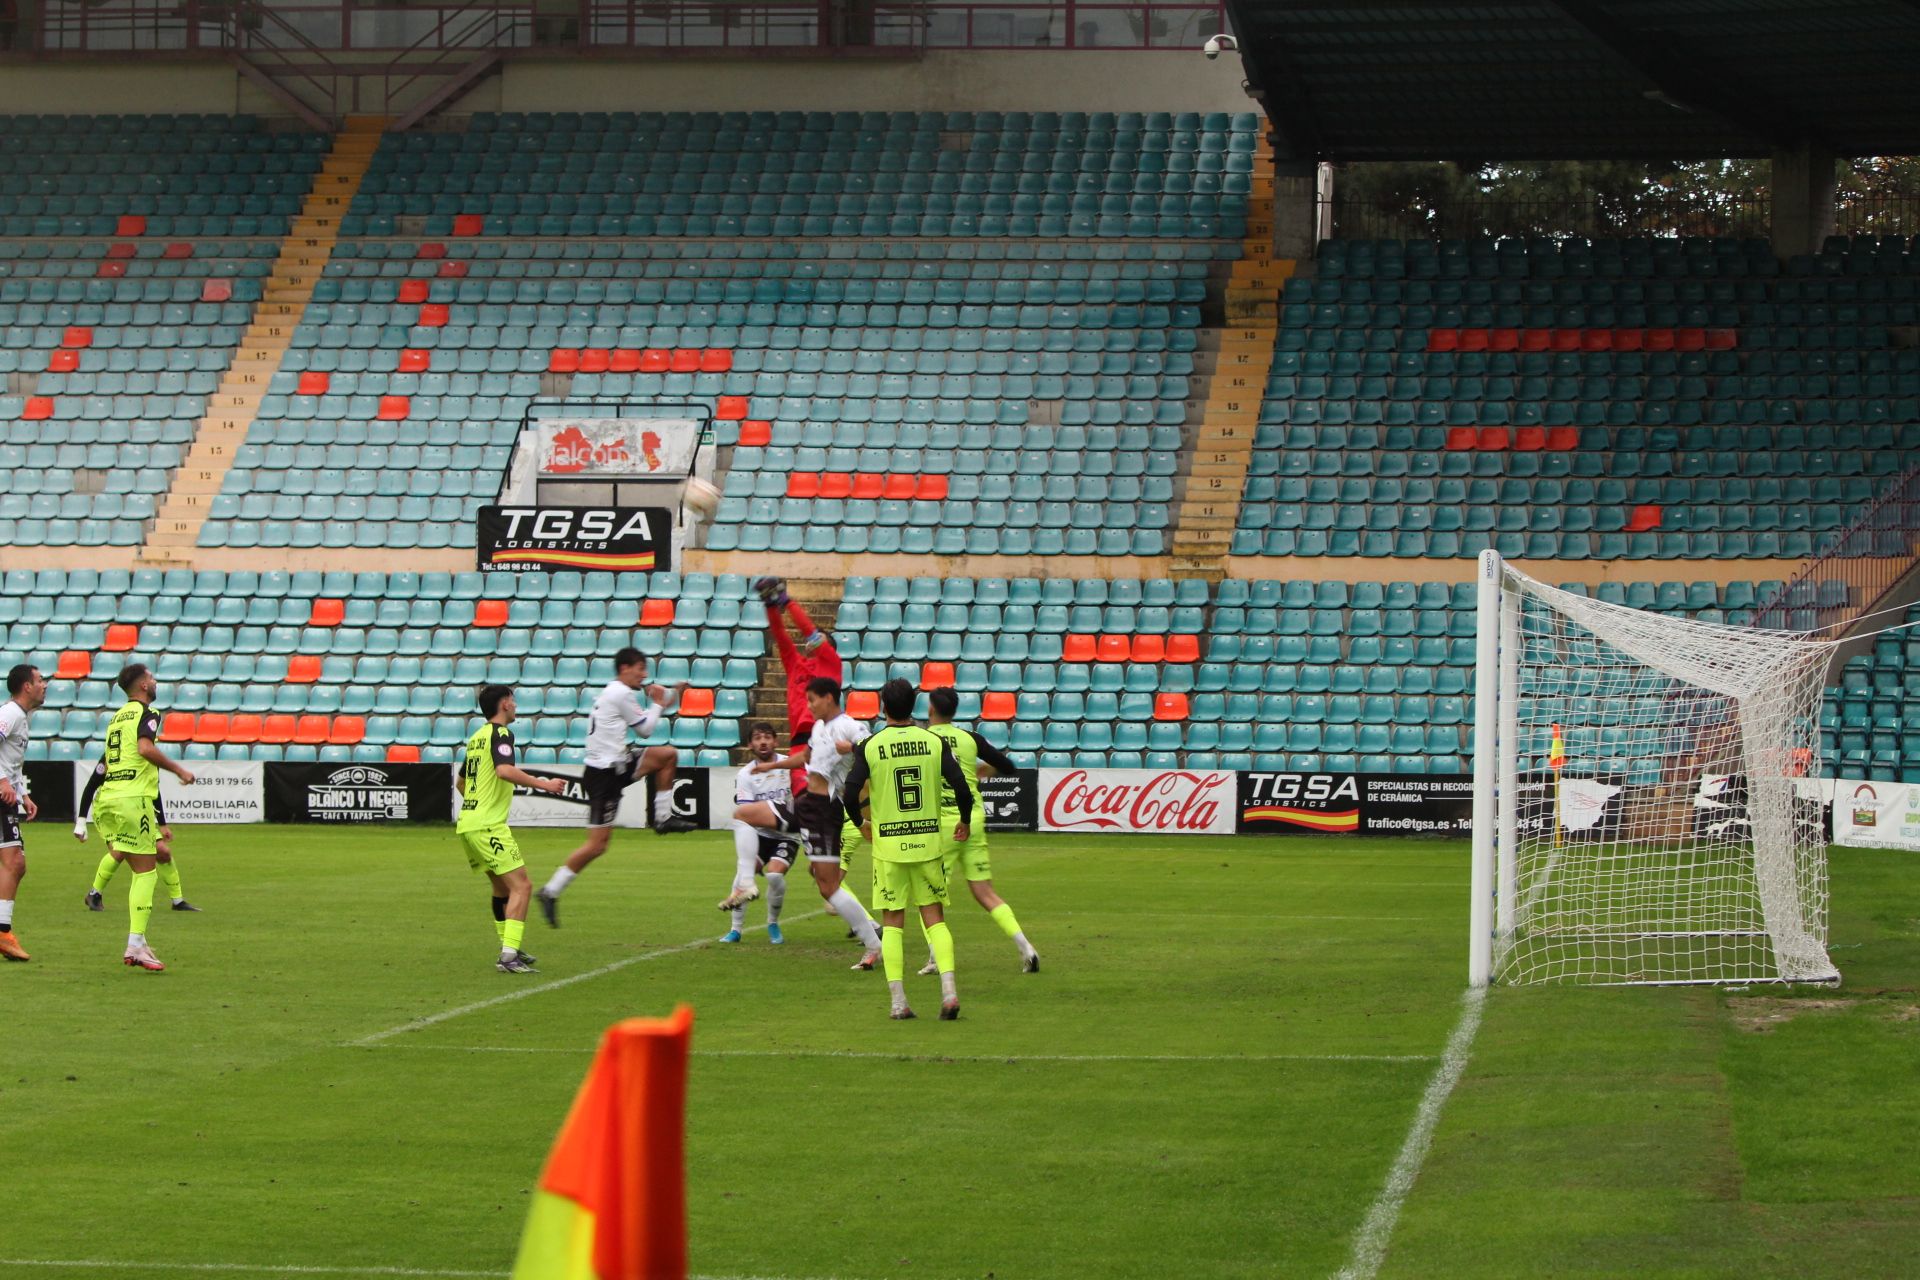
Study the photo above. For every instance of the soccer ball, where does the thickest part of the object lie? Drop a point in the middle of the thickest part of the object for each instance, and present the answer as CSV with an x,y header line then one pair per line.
x,y
701,498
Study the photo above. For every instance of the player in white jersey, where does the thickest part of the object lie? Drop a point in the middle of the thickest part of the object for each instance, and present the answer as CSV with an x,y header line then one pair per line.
x,y
766,836
614,764
26,690
821,809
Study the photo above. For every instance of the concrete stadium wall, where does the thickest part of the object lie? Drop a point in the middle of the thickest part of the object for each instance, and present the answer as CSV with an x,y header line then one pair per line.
x,y
945,81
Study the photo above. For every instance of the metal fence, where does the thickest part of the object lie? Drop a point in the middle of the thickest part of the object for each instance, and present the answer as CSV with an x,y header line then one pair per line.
x,y
1870,556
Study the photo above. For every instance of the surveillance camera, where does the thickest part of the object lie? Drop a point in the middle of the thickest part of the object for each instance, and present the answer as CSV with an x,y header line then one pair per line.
x,y
1217,45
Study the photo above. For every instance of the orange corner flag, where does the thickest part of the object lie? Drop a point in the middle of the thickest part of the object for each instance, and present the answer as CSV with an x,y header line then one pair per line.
x,y
612,1204
1557,753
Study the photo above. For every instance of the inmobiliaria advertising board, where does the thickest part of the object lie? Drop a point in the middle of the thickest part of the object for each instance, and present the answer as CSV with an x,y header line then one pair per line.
x,y
1182,802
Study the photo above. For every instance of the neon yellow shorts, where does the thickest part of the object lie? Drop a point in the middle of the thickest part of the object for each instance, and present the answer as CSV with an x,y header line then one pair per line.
x,y
970,860
126,823
492,850
899,885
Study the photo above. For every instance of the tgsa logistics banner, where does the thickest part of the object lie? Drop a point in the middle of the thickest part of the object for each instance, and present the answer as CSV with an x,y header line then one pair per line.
x,y
691,800
617,539
1356,803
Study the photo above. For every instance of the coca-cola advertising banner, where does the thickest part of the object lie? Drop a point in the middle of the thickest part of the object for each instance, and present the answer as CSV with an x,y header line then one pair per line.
x,y
1356,803
1182,802
617,448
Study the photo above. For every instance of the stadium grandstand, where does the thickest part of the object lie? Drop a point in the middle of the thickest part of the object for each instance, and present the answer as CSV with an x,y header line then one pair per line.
x,y
1028,347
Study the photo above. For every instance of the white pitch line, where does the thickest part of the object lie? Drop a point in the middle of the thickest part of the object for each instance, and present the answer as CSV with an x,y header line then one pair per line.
x,y
1370,1241
1008,1058
521,993
100,1266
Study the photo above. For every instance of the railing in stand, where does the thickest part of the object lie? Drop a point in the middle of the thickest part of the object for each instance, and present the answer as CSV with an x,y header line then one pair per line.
x,y
1870,556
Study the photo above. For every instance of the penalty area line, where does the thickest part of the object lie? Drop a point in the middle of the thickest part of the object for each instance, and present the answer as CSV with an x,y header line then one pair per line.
x,y
521,993
1005,1058
1370,1241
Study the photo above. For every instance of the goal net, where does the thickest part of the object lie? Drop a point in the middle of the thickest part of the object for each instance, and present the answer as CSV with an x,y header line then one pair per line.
x,y
1641,813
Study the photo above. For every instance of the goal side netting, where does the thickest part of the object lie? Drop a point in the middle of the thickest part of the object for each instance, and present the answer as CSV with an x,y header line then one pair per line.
x,y
1642,804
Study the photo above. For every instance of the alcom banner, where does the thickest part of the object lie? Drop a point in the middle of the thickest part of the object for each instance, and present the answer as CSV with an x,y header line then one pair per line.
x,y
617,448
1186,802
1876,815
691,799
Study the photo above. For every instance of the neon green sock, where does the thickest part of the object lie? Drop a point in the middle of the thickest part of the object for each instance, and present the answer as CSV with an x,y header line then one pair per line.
x,y
511,932
942,939
500,920
1002,915
104,872
170,877
500,931
893,949
140,901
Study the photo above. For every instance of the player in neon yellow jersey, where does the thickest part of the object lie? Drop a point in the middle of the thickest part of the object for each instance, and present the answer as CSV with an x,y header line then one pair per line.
x,y
123,808
488,776
903,768
970,859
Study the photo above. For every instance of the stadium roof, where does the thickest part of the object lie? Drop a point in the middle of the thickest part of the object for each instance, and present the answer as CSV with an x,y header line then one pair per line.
x,y
1583,79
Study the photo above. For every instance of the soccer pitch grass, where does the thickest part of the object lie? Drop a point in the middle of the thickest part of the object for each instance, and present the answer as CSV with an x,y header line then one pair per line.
x,y
1213,1076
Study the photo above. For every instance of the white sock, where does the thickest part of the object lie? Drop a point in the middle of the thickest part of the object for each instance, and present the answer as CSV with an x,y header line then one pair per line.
x,y
562,877
1026,948
947,990
776,895
739,918
898,990
136,940
746,852
6,913
179,899
848,908
662,807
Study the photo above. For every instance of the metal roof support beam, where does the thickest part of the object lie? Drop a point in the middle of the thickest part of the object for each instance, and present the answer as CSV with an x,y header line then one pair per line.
x,y
1682,79
1296,135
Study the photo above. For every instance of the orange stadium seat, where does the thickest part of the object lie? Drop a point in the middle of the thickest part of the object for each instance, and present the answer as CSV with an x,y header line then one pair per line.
x,y
936,675
931,489
176,726
656,613
326,612
654,360
303,668
756,435
111,270
431,249
716,360
314,383
414,360
863,704
1114,649
898,487
76,337
836,484
1149,649
310,731
696,702
121,636
244,727
63,360
490,613
452,269
123,251
75,664
216,291
130,224
412,291
395,408
347,731
1077,649
1169,706
37,409
403,753
210,727
178,249
868,485
1643,518
998,706
684,360
433,315
593,360
803,484
468,224
1183,648
731,408
276,729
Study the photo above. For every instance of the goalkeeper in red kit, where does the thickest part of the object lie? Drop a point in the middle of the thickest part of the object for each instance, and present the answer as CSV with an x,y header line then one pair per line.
x,y
813,657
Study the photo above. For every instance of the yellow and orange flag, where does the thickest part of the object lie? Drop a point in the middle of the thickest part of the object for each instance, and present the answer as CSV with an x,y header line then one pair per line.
x,y
1557,753
612,1203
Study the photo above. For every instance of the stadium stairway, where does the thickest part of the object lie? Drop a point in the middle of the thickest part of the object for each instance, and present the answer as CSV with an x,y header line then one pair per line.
x,y
1222,446
232,408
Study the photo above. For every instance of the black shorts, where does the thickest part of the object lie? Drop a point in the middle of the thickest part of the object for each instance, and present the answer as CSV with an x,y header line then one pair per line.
x,y
604,788
10,825
820,821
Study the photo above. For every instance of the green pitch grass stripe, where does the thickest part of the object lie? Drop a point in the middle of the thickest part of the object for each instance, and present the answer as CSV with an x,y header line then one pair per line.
x,y
1370,1242
521,993
1009,1058
100,1267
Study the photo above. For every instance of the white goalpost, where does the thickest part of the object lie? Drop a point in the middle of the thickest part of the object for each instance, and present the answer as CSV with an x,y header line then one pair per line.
x,y
1638,810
